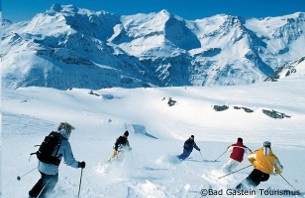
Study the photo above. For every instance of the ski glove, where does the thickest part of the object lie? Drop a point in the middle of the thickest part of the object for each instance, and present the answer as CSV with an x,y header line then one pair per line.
x,y
81,164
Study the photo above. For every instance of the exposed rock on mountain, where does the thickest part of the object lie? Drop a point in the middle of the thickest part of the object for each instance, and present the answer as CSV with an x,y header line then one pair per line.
x,y
73,47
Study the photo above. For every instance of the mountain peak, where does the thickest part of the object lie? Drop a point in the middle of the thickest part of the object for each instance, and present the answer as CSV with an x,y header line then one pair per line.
x,y
168,15
56,7
295,15
67,9
70,8
165,12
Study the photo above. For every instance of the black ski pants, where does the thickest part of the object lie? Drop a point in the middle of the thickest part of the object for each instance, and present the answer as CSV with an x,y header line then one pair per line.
x,y
44,185
253,180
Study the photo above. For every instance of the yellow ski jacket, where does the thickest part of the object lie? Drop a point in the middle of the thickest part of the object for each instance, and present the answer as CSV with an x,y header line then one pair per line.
x,y
264,160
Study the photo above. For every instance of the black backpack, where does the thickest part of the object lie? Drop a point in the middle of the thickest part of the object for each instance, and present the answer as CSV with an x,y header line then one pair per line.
x,y
48,150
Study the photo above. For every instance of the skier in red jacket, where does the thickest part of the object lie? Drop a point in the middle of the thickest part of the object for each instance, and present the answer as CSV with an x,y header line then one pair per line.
x,y
237,155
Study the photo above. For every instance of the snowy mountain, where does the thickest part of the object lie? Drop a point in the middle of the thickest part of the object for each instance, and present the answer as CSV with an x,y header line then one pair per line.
x,y
73,47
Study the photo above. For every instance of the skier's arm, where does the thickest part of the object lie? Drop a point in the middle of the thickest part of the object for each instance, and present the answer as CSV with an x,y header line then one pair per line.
x,y
247,150
127,144
252,157
230,148
68,156
278,166
196,147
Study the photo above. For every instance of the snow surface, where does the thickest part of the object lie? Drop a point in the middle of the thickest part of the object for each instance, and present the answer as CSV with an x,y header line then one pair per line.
x,y
28,114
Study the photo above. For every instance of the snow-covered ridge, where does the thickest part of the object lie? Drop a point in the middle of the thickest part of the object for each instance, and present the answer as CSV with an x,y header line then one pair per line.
x,y
295,69
74,47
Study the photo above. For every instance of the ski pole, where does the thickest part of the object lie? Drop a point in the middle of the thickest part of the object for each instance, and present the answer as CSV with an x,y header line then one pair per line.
x,y
201,155
19,177
80,182
287,182
220,155
131,155
234,172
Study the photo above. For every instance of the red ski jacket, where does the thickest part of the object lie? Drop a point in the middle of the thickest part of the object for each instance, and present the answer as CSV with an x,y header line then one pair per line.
x,y
238,150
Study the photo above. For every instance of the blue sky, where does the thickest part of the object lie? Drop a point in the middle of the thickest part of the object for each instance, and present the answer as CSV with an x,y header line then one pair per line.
x,y
18,10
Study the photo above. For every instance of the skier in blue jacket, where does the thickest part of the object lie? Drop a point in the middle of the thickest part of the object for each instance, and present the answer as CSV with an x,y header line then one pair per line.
x,y
188,146
49,172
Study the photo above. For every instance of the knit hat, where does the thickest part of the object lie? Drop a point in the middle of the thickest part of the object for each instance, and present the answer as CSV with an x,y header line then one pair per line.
x,y
66,126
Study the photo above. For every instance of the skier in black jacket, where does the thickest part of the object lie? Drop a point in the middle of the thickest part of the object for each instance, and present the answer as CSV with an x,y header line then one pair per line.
x,y
188,146
121,143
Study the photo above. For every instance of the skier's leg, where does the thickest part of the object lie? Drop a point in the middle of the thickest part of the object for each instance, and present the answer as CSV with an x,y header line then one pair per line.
x,y
254,179
240,186
229,166
113,155
264,177
250,182
35,191
245,184
184,154
49,186
120,155
234,164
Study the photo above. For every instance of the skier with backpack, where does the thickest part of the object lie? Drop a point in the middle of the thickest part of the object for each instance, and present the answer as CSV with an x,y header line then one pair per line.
x,y
188,146
237,155
53,148
264,162
120,145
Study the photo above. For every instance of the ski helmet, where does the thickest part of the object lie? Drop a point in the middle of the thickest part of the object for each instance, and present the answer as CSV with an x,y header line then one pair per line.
x,y
126,133
267,144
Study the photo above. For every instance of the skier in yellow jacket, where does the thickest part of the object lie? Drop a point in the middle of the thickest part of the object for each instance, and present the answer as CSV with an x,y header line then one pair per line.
x,y
264,163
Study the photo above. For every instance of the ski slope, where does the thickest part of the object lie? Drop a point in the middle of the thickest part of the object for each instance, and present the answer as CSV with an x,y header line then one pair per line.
x,y
157,133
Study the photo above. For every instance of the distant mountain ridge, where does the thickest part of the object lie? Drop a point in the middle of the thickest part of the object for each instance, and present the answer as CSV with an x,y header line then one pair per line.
x,y
294,69
73,47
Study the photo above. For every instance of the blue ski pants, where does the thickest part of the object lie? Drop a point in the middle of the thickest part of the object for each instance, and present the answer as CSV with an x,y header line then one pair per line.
x,y
184,154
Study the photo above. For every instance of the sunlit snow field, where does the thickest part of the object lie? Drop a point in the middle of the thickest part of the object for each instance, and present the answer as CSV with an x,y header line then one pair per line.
x,y
29,114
